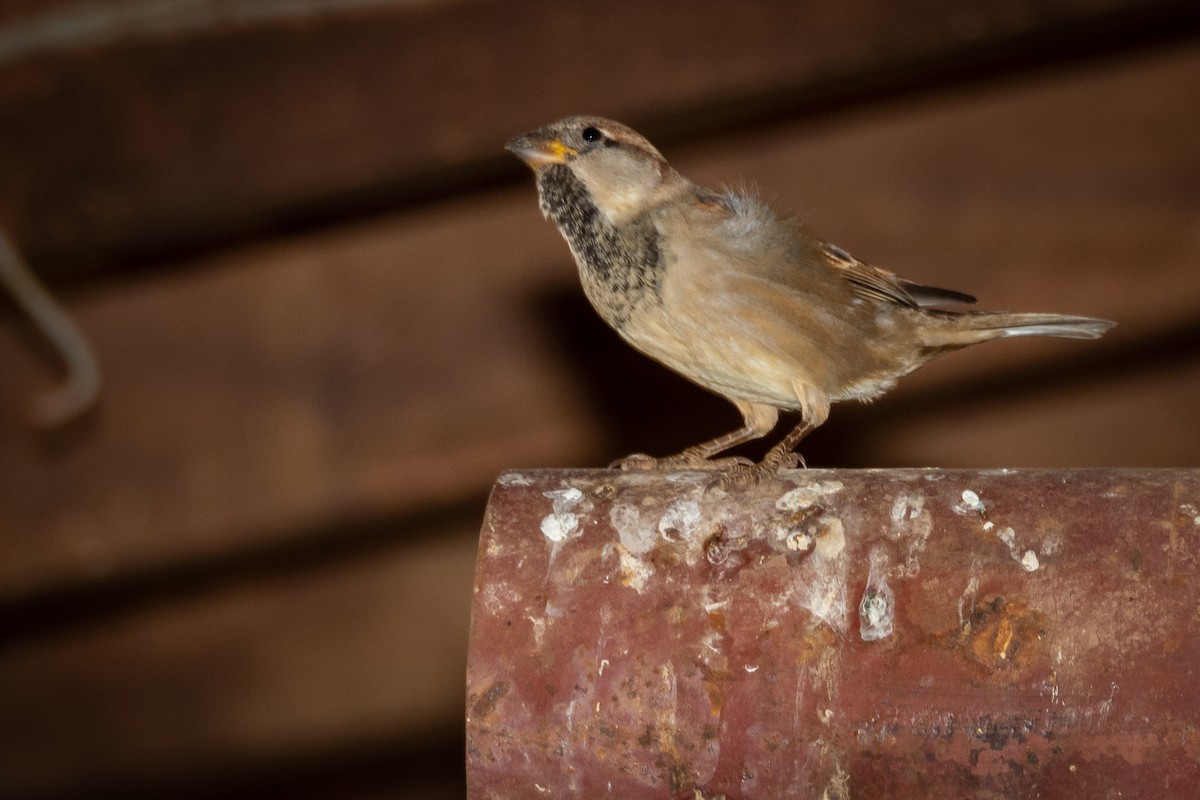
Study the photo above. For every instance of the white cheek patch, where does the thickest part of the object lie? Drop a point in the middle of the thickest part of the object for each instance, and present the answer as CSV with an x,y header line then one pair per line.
x,y
621,187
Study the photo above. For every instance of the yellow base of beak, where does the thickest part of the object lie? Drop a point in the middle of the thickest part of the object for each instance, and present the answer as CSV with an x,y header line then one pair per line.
x,y
537,151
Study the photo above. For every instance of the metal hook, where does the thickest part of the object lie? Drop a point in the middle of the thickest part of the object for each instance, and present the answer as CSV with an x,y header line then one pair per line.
x,y
82,385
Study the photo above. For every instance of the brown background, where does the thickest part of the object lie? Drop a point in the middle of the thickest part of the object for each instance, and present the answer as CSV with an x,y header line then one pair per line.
x,y
329,313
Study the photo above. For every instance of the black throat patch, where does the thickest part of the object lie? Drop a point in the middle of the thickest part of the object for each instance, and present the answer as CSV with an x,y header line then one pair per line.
x,y
620,267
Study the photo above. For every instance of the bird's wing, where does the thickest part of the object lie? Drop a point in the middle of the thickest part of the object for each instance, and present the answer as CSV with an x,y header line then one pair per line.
x,y
879,284
747,216
933,296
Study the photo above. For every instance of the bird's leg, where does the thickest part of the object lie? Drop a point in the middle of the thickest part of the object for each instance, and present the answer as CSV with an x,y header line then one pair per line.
x,y
700,456
784,455
758,419
781,456
814,410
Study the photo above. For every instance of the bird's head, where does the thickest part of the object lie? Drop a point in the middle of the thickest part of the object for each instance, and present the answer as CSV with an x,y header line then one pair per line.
x,y
622,172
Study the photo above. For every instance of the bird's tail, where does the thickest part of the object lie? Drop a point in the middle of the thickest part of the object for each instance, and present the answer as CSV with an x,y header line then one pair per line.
x,y
969,327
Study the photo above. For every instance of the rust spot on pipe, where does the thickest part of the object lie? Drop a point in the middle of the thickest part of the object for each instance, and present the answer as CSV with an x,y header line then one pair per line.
x,y
1003,634
815,641
487,700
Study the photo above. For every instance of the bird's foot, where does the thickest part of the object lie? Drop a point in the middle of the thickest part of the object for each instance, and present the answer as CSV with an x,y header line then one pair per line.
x,y
743,475
636,462
789,460
640,462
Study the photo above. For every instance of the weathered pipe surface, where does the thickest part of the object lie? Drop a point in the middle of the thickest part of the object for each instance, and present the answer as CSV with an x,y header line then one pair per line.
x,y
894,633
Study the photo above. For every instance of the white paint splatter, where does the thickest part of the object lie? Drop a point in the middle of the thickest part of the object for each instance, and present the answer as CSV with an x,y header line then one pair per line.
x,y
636,540
514,479
821,580
798,541
877,610
626,520
838,787
807,496
562,522
714,601
539,628
971,504
557,527
716,605
1106,705
966,602
1191,510
635,573
906,506
498,596
912,522
679,521
826,600
1008,536
831,540
1028,559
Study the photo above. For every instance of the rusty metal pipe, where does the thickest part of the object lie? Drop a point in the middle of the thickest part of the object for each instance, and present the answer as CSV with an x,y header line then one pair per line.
x,y
836,634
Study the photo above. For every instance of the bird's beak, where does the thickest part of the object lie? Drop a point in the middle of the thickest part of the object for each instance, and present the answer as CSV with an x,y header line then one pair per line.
x,y
539,149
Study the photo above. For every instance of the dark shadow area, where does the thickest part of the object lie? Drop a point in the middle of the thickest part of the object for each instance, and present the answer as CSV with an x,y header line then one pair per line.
x,y
403,767
62,611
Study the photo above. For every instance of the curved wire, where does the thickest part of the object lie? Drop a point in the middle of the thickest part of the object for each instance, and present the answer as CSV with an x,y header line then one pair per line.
x,y
82,385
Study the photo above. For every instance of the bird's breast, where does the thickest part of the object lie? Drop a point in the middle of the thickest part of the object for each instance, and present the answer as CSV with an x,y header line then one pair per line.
x,y
620,267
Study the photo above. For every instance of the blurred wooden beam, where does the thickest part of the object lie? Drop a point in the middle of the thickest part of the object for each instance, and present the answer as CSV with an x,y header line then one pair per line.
x,y
285,390
127,130
876,633
277,391
282,666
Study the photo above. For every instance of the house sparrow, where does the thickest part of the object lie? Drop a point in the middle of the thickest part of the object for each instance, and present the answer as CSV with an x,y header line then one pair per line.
x,y
739,299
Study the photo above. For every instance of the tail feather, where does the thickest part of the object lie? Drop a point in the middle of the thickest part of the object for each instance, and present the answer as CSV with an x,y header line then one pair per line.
x,y
980,326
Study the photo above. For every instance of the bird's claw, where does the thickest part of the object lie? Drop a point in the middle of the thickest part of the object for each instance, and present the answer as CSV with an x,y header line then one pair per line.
x,y
740,476
636,462
745,474
730,472
640,462
790,460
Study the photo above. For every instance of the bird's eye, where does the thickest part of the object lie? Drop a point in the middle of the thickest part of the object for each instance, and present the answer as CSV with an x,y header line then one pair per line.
x,y
592,134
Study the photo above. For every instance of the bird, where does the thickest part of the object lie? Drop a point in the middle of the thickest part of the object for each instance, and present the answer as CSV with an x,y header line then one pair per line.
x,y
742,299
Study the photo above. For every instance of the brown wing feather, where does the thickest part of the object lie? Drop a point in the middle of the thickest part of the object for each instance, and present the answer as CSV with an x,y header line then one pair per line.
x,y
874,283
933,296
870,283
